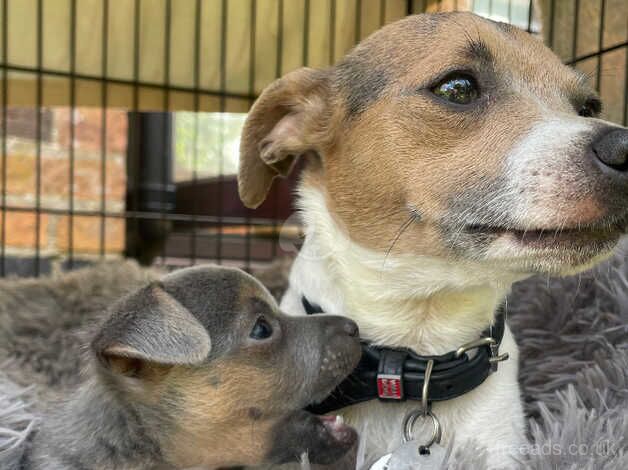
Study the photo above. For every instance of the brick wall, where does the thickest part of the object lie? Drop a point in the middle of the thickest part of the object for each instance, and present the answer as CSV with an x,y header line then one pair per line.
x,y
54,181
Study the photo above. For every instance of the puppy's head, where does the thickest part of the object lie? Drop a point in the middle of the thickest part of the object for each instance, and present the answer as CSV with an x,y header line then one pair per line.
x,y
469,135
220,375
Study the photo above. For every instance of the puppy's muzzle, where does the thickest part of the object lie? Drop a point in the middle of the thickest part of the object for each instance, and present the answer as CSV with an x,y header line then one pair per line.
x,y
341,348
336,342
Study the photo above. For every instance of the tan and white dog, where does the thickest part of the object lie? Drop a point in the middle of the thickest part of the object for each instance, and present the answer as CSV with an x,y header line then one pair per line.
x,y
448,156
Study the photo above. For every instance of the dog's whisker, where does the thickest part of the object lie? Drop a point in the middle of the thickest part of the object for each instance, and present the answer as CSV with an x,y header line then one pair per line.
x,y
403,228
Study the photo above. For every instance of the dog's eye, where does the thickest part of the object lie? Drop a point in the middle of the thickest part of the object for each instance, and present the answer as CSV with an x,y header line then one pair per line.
x,y
591,108
457,88
262,329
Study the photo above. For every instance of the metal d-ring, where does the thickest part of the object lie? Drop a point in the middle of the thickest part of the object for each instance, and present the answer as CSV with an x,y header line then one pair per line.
x,y
410,420
424,412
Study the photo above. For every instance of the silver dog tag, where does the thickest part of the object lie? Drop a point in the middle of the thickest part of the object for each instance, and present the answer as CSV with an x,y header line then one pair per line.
x,y
412,456
407,457
382,463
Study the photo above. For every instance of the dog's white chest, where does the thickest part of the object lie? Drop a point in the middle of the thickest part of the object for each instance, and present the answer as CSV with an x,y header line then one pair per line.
x,y
489,416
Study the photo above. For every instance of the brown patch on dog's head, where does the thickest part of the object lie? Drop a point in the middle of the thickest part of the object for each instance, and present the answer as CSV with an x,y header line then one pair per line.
x,y
217,370
480,180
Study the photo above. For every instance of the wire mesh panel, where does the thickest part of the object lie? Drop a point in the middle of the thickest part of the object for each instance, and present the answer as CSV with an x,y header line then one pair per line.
x,y
120,118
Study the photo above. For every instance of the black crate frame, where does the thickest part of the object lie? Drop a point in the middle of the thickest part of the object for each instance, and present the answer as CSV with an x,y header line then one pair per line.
x,y
137,213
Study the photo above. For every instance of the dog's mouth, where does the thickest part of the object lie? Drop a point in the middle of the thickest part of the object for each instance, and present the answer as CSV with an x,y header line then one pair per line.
x,y
556,237
325,439
331,440
336,427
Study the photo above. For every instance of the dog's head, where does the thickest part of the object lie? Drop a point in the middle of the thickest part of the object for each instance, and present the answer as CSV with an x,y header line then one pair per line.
x,y
220,375
469,136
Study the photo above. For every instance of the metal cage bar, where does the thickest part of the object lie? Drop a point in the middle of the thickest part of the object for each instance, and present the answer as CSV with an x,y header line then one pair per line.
x,y
3,213
103,130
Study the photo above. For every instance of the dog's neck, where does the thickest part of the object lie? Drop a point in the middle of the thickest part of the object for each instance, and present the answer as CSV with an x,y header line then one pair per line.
x,y
92,430
423,303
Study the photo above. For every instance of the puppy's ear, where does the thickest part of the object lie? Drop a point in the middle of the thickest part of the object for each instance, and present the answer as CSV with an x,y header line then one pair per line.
x,y
150,328
287,121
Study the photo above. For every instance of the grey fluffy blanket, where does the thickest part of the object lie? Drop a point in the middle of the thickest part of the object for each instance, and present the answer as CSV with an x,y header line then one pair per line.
x,y
573,335
16,419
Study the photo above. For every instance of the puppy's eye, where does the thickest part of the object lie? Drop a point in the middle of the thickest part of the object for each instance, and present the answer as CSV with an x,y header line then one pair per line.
x,y
591,108
457,88
262,329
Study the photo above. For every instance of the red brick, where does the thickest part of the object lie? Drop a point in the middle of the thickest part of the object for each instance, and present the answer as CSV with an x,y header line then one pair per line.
x,y
20,174
55,177
22,122
87,179
21,229
86,234
88,126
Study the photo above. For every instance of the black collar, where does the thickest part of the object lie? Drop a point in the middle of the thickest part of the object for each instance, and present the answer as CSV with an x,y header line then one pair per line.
x,y
398,374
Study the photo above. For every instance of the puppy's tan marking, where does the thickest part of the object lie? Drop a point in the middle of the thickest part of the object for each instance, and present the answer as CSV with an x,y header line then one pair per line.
x,y
237,437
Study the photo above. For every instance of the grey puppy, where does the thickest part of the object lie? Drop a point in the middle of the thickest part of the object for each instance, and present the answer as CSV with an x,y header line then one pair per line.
x,y
201,369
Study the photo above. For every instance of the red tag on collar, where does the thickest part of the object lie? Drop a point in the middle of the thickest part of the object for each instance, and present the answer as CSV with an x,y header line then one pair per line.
x,y
389,387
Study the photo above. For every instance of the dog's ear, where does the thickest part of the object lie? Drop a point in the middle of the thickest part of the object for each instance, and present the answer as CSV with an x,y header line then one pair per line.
x,y
287,121
150,328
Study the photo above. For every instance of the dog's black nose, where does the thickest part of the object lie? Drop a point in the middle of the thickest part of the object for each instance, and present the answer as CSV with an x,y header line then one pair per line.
x,y
611,150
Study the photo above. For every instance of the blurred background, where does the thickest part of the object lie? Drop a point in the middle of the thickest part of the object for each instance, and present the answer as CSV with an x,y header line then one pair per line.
x,y
120,119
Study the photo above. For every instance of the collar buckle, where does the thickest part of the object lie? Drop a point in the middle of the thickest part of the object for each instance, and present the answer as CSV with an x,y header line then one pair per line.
x,y
494,359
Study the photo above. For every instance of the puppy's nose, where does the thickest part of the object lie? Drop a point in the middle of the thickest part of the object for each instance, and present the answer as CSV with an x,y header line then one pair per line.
x,y
351,328
340,326
611,150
